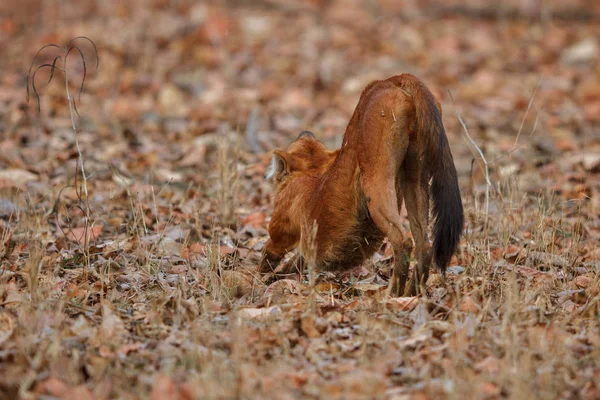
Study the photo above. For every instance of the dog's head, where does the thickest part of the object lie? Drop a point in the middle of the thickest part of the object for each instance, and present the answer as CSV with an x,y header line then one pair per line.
x,y
305,155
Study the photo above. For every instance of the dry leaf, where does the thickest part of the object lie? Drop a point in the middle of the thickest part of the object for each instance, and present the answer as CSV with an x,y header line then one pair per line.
x,y
14,298
582,281
489,365
164,388
52,387
112,327
406,304
240,281
312,326
81,327
128,348
178,269
371,289
7,326
256,219
83,234
489,389
259,313
468,305
415,341
279,291
80,392
326,287
18,176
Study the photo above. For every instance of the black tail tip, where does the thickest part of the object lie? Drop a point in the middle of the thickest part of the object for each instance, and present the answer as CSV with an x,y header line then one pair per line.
x,y
447,238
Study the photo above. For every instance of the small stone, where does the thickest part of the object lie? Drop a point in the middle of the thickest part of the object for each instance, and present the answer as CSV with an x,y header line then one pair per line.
x,y
456,270
18,175
592,265
585,50
582,281
7,208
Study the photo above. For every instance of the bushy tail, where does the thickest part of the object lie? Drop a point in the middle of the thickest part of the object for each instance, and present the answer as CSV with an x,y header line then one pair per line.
x,y
447,203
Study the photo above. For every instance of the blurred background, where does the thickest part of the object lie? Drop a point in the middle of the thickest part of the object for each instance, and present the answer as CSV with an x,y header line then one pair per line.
x,y
175,75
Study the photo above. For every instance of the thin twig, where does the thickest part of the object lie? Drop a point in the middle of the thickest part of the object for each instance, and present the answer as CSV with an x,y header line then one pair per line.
x,y
79,154
527,112
63,58
485,163
311,258
33,63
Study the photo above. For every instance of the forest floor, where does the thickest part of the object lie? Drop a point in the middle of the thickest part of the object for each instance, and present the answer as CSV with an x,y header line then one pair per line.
x,y
146,286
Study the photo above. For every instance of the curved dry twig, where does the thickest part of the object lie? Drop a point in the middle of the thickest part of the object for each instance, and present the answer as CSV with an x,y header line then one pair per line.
x,y
96,54
65,52
37,96
76,110
53,66
34,60
84,66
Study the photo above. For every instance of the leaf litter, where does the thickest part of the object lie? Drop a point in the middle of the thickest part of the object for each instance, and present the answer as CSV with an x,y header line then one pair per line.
x,y
149,289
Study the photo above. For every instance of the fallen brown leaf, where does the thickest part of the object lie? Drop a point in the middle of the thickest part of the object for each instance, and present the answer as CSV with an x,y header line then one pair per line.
x,y
7,326
52,387
84,234
468,305
164,388
407,304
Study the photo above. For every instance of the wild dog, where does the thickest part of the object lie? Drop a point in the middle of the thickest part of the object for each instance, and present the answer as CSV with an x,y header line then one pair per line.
x,y
395,148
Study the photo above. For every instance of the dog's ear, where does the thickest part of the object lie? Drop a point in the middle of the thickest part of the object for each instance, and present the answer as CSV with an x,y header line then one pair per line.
x,y
281,165
308,134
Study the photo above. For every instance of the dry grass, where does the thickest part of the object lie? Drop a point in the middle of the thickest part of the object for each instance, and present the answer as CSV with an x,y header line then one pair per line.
x,y
520,322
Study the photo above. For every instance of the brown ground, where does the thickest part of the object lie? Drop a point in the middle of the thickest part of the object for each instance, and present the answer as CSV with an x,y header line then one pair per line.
x,y
145,289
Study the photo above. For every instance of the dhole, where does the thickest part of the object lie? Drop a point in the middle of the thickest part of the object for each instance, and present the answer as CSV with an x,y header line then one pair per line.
x,y
394,148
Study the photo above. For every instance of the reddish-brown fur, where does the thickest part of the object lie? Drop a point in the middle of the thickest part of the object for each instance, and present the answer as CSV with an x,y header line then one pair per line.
x,y
393,147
